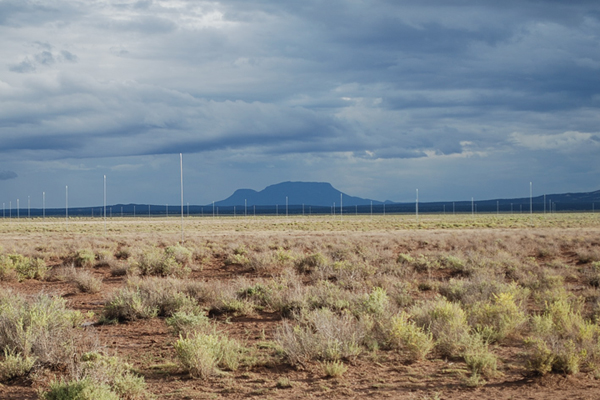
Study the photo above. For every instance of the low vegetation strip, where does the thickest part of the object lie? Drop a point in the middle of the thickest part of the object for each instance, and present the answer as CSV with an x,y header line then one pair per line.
x,y
496,304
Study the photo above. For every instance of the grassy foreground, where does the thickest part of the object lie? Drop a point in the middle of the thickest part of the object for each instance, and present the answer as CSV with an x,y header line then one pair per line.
x,y
495,296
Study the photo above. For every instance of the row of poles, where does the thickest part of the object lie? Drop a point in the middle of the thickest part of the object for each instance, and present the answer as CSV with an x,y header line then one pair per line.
x,y
473,206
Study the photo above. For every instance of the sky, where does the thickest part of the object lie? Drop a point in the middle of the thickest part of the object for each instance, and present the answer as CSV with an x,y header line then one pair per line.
x,y
457,99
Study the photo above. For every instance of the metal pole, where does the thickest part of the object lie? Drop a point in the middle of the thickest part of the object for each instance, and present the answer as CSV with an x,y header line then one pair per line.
x,y
67,206
105,205
530,198
417,206
181,175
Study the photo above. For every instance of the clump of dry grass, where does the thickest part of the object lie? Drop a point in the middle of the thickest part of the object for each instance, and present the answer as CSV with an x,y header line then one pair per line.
x,y
149,298
86,282
446,321
40,332
202,354
321,335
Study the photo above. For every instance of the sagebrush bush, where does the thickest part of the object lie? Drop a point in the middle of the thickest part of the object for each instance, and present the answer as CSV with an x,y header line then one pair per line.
x,y
321,335
497,319
561,338
18,266
7,269
86,282
478,357
84,258
310,262
202,354
181,254
334,369
15,365
149,298
377,302
157,262
446,321
112,372
183,323
42,329
325,294
78,389
288,295
406,336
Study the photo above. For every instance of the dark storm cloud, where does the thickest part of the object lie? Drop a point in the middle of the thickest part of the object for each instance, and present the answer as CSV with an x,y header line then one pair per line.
x,y
380,83
6,175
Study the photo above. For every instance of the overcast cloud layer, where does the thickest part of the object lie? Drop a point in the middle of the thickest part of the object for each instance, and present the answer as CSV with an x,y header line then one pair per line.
x,y
379,98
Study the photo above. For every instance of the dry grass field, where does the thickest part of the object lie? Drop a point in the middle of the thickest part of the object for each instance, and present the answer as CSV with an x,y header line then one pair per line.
x,y
447,307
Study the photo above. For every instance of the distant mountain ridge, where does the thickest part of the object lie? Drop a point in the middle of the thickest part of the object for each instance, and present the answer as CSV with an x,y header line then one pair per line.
x,y
310,193
321,196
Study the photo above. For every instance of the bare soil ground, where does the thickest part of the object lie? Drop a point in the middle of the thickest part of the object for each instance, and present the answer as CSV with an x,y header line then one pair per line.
x,y
148,344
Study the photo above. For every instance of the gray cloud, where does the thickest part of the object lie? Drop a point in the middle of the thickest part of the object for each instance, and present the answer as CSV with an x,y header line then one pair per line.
x,y
6,175
388,85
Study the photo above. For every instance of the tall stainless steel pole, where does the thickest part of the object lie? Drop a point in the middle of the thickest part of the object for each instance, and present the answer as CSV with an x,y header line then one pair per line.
x,y
530,199
67,206
181,175
104,205
417,206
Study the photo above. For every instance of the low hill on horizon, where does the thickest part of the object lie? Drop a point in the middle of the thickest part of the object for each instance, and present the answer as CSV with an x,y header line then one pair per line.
x,y
309,193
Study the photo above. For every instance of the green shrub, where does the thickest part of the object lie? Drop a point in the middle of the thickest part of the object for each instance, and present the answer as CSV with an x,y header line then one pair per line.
x,y
15,365
446,321
149,298
181,254
112,372
86,282
377,302
83,389
7,269
84,258
183,323
42,328
541,358
310,263
156,262
497,319
288,295
406,336
21,267
123,253
129,305
327,294
405,259
201,354
478,357
334,369
561,338
321,335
